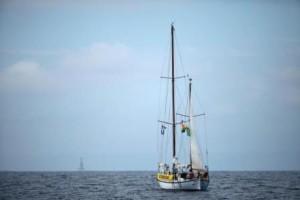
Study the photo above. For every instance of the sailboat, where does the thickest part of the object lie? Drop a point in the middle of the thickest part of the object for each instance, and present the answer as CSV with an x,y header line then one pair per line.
x,y
81,166
193,175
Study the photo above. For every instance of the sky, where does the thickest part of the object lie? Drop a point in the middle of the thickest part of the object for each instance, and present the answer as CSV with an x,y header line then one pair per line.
x,y
82,79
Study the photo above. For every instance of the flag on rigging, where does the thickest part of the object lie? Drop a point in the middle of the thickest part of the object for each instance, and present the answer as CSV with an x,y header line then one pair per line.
x,y
185,128
162,131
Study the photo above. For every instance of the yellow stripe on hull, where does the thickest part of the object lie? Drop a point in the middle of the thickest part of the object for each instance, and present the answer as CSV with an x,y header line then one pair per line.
x,y
165,177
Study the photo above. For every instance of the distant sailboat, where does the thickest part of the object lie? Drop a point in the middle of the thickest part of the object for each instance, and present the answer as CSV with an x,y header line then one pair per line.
x,y
81,166
193,175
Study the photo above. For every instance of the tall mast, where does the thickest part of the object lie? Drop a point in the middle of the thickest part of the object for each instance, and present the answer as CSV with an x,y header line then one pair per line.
x,y
190,115
173,93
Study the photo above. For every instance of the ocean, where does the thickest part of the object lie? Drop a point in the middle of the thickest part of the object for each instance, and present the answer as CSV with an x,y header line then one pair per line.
x,y
142,185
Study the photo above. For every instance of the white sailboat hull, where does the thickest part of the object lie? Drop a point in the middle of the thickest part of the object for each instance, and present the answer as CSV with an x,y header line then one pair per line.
x,y
194,184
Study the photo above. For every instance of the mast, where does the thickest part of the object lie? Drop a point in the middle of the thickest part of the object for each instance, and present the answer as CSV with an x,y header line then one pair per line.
x,y
190,115
173,93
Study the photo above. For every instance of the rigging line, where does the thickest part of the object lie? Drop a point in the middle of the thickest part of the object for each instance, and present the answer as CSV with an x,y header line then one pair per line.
x,y
158,125
168,66
181,64
167,89
168,133
167,145
186,78
206,139
162,73
180,147
159,147
166,104
166,101
198,99
180,96
165,58
179,54
205,126
157,142
165,140
187,152
187,101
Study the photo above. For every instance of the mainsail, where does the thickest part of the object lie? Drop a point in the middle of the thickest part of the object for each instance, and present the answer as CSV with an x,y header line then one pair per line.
x,y
196,158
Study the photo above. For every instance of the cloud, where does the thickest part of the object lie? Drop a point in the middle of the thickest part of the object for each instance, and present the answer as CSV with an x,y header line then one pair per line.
x,y
33,52
22,74
97,63
100,58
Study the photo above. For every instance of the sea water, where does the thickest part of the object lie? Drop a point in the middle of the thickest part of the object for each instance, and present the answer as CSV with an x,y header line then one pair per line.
x,y
142,185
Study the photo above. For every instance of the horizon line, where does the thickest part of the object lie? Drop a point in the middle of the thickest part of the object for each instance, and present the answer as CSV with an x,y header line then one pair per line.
x,y
219,170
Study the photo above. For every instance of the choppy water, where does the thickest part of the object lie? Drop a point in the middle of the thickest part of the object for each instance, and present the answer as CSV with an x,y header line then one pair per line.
x,y
142,185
